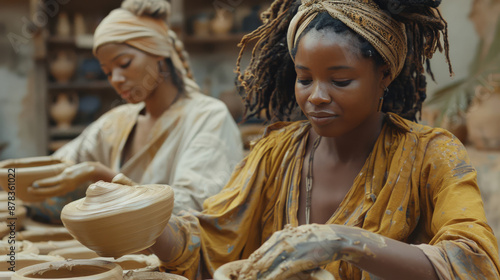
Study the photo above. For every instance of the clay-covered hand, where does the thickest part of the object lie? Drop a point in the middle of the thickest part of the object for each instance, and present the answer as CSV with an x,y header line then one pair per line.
x,y
71,178
294,250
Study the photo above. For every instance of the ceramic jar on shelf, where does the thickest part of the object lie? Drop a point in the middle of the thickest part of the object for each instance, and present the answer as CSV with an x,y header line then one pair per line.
x,y
63,109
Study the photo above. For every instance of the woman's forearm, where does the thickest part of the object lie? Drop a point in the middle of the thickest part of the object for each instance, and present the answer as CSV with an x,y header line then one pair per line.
x,y
387,258
171,243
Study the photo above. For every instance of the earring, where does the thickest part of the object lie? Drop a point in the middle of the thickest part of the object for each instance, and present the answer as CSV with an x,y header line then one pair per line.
x,y
380,103
381,100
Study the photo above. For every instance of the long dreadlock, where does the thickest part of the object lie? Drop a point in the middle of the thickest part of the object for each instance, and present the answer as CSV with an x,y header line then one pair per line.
x,y
267,85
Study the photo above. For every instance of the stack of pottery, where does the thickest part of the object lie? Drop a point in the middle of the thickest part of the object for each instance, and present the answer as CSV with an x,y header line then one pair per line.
x,y
25,254
115,220
73,269
232,270
26,171
18,213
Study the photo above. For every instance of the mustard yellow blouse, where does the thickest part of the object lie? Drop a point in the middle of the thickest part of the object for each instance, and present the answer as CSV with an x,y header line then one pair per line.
x,y
416,186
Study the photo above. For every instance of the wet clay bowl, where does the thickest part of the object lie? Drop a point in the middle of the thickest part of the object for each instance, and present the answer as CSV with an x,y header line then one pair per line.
x,y
75,270
23,260
231,271
19,175
133,275
115,220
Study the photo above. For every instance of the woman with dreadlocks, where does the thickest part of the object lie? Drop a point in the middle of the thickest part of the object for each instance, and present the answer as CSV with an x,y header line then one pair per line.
x,y
359,188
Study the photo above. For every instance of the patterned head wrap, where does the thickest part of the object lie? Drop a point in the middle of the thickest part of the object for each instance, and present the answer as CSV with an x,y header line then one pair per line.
x,y
144,32
364,17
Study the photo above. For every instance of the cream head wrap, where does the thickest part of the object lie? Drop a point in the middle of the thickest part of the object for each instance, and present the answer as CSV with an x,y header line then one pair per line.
x,y
365,18
131,24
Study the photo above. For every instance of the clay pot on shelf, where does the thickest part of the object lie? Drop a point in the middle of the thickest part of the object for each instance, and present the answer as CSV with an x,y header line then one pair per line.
x,y
74,269
27,171
111,216
62,65
222,22
483,117
79,25
201,25
134,275
231,271
64,108
63,27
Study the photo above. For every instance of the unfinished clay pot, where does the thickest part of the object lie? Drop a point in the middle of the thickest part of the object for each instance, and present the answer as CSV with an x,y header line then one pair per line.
x,y
134,275
26,171
26,260
75,253
77,270
19,214
116,220
21,247
46,247
231,271
46,234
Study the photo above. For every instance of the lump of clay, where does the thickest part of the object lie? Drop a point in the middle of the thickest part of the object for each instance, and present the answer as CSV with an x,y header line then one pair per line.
x,y
115,220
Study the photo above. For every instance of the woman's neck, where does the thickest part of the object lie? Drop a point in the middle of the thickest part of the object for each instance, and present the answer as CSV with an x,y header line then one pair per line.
x,y
161,99
355,145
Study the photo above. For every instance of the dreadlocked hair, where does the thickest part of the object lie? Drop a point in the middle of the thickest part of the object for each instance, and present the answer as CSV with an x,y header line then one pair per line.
x,y
266,85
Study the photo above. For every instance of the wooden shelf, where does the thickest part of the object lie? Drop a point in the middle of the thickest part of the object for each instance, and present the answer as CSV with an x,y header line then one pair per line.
x,y
213,39
84,42
89,85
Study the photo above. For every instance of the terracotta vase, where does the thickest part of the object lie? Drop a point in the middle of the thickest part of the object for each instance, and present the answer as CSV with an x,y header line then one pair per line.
x,y
222,23
75,270
64,108
134,275
231,271
62,65
27,171
63,27
112,216
483,117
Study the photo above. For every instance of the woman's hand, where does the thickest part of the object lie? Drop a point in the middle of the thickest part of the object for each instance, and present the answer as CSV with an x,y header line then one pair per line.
x,y
293,250
71,178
